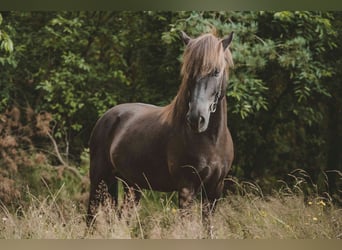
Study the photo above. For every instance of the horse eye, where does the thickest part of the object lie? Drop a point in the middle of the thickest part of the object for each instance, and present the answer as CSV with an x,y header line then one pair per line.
x,y
216,72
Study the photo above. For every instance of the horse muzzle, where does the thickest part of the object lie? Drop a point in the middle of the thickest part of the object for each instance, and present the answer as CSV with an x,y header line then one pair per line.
x,y
197,123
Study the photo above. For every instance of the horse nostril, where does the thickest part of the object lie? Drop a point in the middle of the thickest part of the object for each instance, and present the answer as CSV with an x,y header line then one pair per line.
x,y
196,123
201,121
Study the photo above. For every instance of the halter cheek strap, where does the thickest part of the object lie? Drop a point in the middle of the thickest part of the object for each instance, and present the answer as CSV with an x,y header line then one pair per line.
x,y
213,106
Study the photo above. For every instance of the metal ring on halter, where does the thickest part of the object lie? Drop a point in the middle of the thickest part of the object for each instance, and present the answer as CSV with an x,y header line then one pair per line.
x,y
213,106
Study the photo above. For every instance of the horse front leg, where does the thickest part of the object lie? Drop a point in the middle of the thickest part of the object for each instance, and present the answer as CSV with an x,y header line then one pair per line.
x,y
185,199
208,208
209,202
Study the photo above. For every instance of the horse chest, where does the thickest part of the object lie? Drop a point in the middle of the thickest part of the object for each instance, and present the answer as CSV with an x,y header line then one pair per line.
x,y
203,160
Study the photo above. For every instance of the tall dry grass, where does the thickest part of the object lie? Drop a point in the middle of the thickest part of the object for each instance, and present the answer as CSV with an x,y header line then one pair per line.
x,y
247,214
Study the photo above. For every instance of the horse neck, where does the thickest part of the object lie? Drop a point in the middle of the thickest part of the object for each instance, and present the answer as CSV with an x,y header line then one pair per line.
x,y
175,112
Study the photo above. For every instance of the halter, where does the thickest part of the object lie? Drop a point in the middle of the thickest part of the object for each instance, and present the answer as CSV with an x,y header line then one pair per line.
x,y
213,106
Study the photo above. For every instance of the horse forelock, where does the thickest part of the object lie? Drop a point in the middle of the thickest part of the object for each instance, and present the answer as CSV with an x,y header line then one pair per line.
x,y
203,55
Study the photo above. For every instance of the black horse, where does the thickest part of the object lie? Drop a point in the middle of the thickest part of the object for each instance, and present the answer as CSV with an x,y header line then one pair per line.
x,y
185,146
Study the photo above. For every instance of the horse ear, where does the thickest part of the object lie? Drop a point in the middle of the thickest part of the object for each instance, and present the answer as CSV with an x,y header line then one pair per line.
x,y
227,40
186,39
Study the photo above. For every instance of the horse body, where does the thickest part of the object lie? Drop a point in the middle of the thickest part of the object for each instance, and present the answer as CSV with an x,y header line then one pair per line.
x,y
184,146
157,151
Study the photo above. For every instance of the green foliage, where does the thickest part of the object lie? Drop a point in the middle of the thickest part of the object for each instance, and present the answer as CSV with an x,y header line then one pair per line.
x,y
6,43
6,49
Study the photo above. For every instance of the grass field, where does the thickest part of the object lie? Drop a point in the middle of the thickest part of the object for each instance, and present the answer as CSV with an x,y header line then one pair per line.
x,y
247,214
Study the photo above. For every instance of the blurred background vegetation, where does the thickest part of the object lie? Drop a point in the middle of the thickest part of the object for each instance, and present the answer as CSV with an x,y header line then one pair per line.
x,y
59,71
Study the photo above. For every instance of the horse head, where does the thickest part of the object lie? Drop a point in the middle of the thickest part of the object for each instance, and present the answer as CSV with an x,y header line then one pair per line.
x,y
204,69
